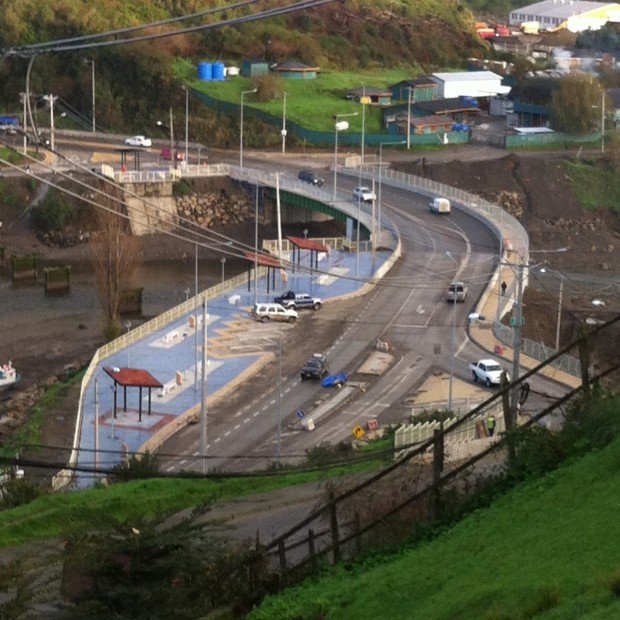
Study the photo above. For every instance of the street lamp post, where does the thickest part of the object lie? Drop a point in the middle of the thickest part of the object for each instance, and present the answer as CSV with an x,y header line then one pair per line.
x,y
223,261
243,94
338,126
51,100
283,132
92,78
186,89
452,341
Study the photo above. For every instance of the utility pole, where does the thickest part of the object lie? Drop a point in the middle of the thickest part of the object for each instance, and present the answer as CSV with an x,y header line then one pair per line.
x,y
203,390
172,153
196,318
409,118
518,338
24,98
283,132
96,426
256,246
278,445
51,99
557,327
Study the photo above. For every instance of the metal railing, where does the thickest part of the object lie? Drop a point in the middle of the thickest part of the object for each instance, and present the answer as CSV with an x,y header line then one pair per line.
x,y
118,344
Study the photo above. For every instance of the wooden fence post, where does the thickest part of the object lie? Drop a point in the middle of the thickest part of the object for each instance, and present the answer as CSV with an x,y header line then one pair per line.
x,y
333,522
509,422
282,555
584,362
438,459
311,549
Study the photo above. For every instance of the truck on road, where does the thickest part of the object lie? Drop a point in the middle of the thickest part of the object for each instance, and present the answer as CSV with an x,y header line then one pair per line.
x,y
487,371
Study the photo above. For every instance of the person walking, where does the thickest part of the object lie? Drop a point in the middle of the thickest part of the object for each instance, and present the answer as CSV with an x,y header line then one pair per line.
x,y
503,287
491,425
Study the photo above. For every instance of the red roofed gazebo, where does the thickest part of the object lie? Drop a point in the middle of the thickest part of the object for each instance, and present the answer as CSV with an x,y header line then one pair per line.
x,y
315,247
263,260
132,377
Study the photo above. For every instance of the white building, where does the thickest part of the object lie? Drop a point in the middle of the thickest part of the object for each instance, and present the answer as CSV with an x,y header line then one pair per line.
x,y
575,15
469,84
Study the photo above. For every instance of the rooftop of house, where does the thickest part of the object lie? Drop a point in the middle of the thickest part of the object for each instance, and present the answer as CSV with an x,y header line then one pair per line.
x,y
467,76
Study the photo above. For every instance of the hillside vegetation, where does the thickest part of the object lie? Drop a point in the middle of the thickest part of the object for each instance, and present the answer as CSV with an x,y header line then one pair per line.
x,y
548,549
136,83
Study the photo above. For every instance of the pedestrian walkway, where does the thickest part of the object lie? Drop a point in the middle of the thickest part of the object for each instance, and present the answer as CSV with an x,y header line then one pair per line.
x,y
237,347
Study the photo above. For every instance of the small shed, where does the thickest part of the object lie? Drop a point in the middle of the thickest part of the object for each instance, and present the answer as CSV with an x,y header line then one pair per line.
x,y
252,67
422,89
456,108
295,70
377,96
421,125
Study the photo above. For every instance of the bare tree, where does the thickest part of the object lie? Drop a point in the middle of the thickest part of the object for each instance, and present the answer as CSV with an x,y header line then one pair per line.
x,y
115,255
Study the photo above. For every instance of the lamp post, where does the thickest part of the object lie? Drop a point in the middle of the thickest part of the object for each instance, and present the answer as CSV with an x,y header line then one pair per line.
x,y
409,118
283,132
338,126
517,323
186,89
452,340
50,100
223,261
243,94
559,315
128,326
92,79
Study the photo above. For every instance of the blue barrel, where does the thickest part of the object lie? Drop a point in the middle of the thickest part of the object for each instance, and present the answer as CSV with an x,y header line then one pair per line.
x,y
205,71
218,71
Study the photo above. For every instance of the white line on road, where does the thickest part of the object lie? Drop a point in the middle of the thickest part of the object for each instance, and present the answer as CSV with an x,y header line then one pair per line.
x,y
246,420
237,426
182,461
255,413
218,439
227,433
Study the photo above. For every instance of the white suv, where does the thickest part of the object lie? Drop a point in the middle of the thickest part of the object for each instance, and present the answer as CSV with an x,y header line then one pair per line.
x,y
364,194
273,312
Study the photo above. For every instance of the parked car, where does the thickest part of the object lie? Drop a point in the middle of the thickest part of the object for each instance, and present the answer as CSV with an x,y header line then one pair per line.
x,y
311,177
363,193
315,368
487,371
273,312
166,154
457,292
138,141
293,300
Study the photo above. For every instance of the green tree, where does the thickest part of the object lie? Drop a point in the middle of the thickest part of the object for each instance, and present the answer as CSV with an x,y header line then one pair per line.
x,y
575,106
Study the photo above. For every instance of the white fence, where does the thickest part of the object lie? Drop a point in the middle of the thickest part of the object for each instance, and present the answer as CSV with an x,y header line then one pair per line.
x,y
411,435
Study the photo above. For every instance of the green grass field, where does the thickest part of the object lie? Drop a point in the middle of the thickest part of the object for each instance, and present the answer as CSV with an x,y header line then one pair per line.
x,y
311,103
548,549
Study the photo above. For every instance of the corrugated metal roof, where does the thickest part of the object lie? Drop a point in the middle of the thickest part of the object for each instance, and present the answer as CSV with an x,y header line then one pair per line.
x,y
467,76
561,9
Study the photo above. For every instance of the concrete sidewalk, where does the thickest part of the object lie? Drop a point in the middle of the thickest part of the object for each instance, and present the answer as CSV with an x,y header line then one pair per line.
x,y
493,304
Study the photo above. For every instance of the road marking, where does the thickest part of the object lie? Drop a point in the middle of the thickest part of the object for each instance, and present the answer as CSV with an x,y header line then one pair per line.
x,y
170,468
218,439
271,402
288,389
246,420
420,309
237,426
227,433
182,461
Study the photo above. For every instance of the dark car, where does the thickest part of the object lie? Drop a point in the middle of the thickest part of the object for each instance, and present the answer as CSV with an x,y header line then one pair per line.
x,y
315,368
293,300
166,154
310,177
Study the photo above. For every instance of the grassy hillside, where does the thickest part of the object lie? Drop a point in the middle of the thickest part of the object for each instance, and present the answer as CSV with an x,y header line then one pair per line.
x,y
549,549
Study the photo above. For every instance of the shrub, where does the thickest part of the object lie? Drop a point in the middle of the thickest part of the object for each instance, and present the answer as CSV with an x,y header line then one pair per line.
x,y
54,212
181,188
17,492
145,465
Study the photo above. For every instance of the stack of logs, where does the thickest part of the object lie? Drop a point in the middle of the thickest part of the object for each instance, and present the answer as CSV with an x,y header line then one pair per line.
x,y
215,209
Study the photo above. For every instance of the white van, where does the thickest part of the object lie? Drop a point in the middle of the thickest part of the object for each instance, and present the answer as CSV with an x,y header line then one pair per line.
x,y
439,205
273,312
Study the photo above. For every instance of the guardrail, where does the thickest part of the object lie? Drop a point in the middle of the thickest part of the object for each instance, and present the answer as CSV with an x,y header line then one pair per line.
x,y
63,477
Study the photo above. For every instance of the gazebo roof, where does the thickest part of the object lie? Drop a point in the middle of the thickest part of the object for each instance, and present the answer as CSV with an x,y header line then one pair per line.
x,y
133,377
308,244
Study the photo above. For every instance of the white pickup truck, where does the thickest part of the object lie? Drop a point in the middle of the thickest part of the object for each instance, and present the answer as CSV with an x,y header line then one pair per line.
x,y
488,372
